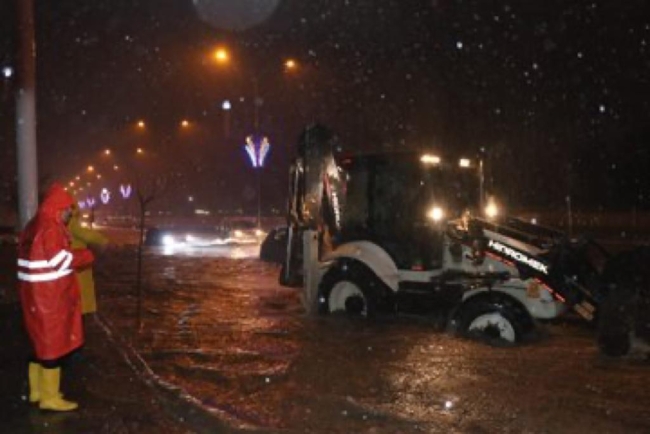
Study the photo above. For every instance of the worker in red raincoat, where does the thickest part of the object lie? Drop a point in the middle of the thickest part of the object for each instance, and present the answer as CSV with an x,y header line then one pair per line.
x,y
49,295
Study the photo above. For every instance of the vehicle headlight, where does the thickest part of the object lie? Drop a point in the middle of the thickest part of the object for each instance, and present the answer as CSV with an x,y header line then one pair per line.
x,y
430,159
238,233
436,213
189,238
168,240
491,209
259,233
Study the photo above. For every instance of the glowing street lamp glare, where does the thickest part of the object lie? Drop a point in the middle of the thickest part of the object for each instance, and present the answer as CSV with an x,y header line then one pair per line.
x,y
7,71
221,55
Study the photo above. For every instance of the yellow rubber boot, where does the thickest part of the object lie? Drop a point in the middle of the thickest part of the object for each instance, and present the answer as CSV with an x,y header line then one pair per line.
x,y
34,377
50,397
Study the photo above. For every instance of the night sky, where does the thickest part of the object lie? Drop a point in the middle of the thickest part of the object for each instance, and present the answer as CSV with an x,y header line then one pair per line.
x,y
554,92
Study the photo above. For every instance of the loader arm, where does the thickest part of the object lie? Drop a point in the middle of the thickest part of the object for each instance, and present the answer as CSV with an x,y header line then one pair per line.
x,y
316,197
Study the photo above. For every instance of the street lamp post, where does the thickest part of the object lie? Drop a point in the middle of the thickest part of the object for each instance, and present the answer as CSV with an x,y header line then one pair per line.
x,y
226,106
257,103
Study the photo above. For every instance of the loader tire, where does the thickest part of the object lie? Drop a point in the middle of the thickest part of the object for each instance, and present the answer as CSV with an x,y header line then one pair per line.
x,y
352,288
496,320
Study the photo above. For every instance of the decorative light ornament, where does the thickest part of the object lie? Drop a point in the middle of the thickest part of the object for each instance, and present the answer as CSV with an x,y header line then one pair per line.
x,y
90,201
81,204
257,150
105,196
125,190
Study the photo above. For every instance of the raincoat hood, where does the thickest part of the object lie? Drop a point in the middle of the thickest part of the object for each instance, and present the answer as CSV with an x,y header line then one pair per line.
x,y
56,200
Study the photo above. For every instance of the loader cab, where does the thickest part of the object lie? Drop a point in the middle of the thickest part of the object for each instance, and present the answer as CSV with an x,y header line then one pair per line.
x,y
402,202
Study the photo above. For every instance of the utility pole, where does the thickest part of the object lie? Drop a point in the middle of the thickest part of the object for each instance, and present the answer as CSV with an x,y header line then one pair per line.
x,y
26,115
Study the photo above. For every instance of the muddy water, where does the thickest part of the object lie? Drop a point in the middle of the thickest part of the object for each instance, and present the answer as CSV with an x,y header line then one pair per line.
x,y
221,328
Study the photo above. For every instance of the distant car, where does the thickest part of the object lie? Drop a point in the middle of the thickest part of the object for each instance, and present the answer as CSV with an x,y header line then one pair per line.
x,y
185,236
244,232
274,246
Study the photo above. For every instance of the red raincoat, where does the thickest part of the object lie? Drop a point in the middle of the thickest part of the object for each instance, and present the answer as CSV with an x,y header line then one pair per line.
x,y
48,287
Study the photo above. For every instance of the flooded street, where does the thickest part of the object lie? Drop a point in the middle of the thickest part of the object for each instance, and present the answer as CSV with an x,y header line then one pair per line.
x,y
221,328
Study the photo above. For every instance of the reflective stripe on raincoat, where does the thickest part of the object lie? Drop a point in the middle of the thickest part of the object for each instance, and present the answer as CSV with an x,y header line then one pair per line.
x,y
48,288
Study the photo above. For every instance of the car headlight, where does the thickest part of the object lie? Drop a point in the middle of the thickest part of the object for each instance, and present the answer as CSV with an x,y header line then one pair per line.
x,y
259,233
238,233
436,213
168,240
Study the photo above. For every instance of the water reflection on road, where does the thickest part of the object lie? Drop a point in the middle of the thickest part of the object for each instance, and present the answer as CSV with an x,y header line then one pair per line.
x,y
232,251
220,327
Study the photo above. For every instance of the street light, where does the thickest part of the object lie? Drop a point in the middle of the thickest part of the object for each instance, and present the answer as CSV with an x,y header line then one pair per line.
x,y
141,124
290,65
7,72
221,55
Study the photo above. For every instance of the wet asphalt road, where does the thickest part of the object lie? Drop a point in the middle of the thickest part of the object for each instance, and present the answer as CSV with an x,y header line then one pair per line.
x,y
221,328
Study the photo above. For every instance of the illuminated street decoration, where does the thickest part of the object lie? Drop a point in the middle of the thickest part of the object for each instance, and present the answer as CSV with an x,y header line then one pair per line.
x,y
105,196
90,201
257,150
125,190
81,204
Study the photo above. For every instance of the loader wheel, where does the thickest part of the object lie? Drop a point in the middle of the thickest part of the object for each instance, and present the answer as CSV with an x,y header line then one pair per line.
x,y
495,320
350,287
